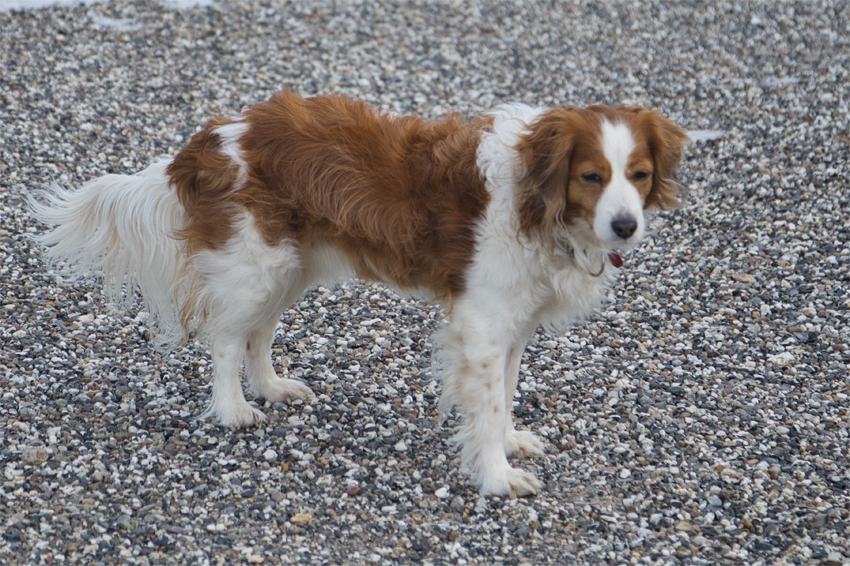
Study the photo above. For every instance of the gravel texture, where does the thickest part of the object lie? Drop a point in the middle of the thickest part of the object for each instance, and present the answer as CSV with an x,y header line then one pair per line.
x,y
700,417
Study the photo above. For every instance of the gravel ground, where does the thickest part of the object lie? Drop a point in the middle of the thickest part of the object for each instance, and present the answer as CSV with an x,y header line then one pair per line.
x,y
700,417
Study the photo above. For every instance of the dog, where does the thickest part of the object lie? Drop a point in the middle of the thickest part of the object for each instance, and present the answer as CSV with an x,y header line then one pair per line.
x,y
510,220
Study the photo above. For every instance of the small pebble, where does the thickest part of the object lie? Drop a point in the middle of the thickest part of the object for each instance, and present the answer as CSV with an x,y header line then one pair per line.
x,y
35,455
457,504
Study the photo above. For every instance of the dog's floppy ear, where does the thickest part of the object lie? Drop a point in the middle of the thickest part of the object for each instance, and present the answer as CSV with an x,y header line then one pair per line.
x,y
666,143
545,153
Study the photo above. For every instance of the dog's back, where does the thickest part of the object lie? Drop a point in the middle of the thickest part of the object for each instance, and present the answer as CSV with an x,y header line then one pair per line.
x,y
398,196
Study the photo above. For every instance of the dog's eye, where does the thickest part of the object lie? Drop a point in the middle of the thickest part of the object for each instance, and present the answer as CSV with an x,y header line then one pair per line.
x,y
641,175
591,178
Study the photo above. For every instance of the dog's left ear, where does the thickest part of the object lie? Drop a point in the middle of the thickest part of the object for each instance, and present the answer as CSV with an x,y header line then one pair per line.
x,y
666,143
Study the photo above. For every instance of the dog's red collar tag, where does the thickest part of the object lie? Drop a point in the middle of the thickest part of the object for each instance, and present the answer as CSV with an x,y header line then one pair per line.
x,y
615,259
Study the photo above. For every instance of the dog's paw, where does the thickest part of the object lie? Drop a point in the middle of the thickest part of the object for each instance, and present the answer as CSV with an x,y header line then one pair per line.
x,y
512,482
522,444
280,389
241,415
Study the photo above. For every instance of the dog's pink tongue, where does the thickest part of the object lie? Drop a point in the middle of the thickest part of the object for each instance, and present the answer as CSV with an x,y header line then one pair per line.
x,y
616,259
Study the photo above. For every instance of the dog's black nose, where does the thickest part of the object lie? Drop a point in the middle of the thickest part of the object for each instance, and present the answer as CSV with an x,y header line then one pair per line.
x,y
624,227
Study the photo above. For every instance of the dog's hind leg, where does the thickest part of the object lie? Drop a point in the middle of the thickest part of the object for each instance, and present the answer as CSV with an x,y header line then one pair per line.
x,y
246,333
259,371
228,405
243,289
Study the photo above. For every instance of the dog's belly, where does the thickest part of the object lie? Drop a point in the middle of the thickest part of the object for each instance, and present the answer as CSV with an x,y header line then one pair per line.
x,y
325,264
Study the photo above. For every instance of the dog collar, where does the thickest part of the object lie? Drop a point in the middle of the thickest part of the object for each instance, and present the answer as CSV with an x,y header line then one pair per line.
x,y
614,258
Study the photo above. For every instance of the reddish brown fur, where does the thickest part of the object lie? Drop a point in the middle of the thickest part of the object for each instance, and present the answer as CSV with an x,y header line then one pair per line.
x,y
666,143
566,141
204,178
398,196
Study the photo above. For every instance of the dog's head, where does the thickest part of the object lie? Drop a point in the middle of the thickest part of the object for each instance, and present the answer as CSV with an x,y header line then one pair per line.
x,y
589,174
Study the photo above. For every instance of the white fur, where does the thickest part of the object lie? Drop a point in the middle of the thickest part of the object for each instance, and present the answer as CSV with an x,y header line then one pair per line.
x,y
230,135
620,198
243,289
121,226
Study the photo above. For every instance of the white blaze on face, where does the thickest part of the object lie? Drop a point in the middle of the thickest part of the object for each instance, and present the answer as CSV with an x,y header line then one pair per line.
x,y
620,200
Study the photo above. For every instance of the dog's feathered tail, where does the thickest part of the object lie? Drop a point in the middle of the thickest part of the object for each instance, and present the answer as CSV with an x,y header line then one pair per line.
x,y
122,226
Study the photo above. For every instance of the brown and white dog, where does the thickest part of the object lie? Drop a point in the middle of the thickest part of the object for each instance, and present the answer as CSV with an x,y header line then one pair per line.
x,y
511,220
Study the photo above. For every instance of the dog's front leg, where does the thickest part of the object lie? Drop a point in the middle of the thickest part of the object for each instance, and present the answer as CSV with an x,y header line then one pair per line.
x,y
518,443
474,359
